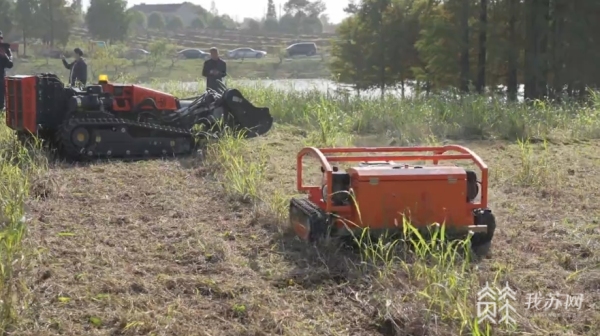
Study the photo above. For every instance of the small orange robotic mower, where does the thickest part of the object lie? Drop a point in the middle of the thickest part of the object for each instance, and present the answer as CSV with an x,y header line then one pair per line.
x,y
380,191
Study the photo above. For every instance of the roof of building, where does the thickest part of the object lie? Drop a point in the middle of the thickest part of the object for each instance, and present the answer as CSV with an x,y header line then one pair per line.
x,y
161,8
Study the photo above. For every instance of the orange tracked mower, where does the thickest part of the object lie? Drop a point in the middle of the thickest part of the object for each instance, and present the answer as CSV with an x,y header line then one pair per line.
x,y
380,191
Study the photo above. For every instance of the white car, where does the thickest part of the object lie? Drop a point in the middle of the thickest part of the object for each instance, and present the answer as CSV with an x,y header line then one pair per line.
x,y
246,53
136,53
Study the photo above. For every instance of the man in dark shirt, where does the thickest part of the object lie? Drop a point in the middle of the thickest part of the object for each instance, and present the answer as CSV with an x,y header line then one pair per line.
x,y
5,63
78,68
214,70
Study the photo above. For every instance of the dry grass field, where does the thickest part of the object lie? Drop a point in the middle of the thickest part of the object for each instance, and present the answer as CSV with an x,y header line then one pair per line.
x,y
200,245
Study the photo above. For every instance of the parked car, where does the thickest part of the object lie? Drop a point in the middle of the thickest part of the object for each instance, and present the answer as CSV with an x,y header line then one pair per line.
x,y
302,48
246,53
136,53
193,54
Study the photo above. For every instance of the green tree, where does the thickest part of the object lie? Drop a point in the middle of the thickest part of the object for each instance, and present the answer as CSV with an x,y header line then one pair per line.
x,y
175,24
25,13
159,50
306,7
438,47
547,45
156,21
481,62
203,13
350,64
312,25
77,11
77,6
401,25
6,16
295,6
372,14
305,16
57,19
270,25
315,9
271,11
217,23
137,20
213,9
289,24
251,25
198,23
108,19
229,22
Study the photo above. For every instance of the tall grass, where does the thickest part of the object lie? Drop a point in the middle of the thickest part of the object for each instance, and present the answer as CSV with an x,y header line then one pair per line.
x,y
442,271
18,165
419,119
329,120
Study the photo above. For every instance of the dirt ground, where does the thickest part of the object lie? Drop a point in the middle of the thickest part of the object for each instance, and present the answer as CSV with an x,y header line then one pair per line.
x,y
155,248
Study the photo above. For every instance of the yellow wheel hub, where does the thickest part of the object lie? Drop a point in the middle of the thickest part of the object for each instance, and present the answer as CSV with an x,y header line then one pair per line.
x,y
81,137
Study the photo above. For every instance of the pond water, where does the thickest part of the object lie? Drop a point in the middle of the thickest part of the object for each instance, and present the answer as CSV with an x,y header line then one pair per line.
x,y
322,85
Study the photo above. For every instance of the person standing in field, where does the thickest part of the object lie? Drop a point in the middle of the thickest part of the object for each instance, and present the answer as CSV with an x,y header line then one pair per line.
x,y
78,68
214,70
5,63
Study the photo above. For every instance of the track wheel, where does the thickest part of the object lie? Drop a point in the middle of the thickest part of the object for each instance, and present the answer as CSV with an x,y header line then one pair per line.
x,y
481,242
308,221
80,137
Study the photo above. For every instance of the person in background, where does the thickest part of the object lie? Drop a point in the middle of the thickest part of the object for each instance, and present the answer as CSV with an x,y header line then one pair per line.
x,y
78,68
214,70
5,63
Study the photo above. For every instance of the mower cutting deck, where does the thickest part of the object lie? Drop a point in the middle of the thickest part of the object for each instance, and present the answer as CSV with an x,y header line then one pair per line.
x,y
382,192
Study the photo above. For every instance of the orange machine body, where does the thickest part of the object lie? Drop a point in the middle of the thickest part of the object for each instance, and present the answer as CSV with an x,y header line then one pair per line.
x,y
21,103
25,106
424,195
127,97
385,194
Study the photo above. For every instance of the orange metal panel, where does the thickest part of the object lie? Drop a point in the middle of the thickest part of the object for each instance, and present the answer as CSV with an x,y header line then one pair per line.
x,y
29,101
132,95
434,154
384,173
422,202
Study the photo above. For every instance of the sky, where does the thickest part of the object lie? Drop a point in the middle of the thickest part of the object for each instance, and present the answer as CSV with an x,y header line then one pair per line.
x,y
240,9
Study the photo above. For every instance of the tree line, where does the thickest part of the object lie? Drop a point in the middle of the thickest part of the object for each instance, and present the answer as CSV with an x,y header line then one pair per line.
x,y
549,46
51,20
47,20
298,17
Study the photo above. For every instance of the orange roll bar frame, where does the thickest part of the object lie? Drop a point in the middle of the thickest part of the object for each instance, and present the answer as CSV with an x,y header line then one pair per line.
x,y
438,154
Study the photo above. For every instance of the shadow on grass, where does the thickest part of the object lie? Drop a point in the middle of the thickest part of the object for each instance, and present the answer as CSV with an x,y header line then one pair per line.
x,y
384,288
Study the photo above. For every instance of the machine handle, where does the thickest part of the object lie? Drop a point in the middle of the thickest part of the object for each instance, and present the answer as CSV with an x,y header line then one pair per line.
x,y
439,154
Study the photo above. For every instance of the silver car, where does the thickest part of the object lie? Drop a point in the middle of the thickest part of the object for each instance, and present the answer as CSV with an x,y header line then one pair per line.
x,y
136,53
246,53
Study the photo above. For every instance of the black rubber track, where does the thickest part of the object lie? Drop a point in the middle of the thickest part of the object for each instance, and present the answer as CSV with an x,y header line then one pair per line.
x,y
150,146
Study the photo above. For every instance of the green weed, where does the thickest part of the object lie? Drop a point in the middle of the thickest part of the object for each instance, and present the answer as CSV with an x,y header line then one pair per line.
x,y
534,167
240,168
18,165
